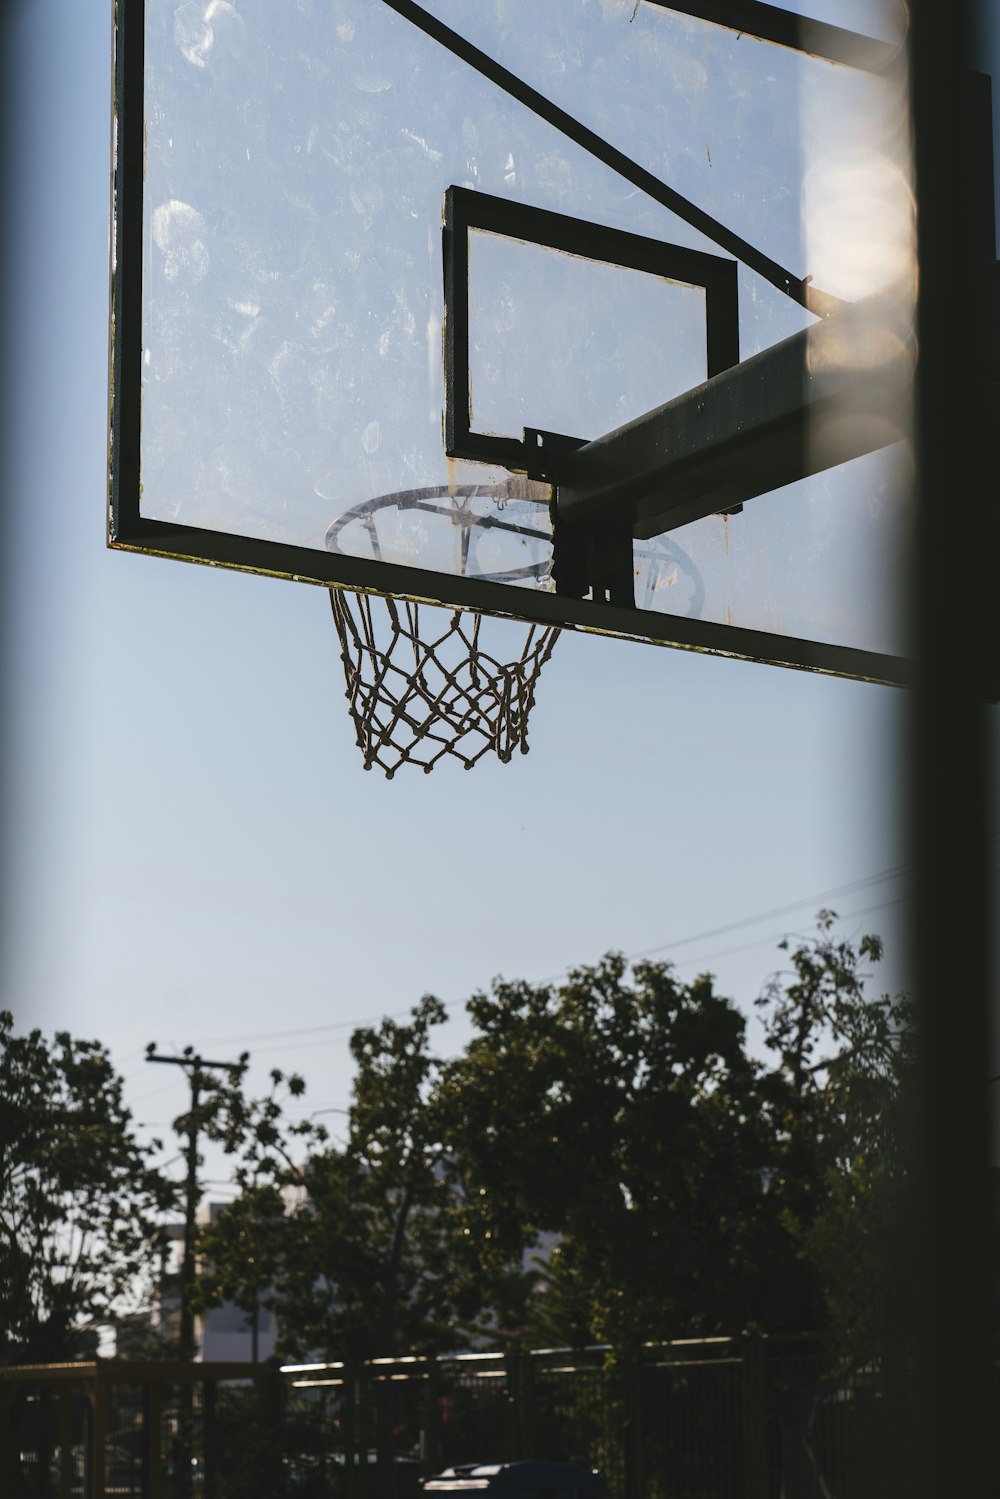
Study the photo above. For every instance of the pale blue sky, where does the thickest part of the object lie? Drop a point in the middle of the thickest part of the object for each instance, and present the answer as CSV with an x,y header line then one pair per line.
x,y
192,850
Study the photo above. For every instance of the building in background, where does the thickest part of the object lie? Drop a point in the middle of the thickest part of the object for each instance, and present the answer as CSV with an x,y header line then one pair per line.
x,y
223,1334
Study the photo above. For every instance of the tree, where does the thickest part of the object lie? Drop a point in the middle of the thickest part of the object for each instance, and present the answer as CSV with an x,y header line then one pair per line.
x,y
603,1163
241,1251
691,1189
81,1204
834,1103
352,1245
617,1112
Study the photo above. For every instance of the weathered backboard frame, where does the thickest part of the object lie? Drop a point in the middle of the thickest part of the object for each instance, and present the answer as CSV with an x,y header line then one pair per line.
x,y
129,529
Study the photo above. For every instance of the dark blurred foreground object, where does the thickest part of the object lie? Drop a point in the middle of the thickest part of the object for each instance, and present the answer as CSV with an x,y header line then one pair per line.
x,y
950,1445
529,1480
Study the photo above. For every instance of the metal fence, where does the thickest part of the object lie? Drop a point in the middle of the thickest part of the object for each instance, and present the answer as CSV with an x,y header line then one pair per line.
x,y
715,1419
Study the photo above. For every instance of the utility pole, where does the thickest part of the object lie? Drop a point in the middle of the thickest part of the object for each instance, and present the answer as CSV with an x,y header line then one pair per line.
x,y
196,1066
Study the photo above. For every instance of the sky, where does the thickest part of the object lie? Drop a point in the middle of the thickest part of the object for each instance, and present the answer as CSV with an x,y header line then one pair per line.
x,y
192,851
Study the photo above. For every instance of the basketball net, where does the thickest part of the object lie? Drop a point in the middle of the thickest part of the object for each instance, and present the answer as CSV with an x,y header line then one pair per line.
x,y
422,685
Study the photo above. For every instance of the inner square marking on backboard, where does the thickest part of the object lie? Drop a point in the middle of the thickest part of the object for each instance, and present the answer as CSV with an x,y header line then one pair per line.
x,y
466,211
571,345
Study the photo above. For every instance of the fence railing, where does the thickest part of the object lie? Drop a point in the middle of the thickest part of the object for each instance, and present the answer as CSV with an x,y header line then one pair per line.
x,y
722,1418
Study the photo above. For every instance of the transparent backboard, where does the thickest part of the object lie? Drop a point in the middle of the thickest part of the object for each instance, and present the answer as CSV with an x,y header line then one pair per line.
x,y
280,388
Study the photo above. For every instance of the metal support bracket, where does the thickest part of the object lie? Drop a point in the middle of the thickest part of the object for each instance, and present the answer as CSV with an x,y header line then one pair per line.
x,y
594,560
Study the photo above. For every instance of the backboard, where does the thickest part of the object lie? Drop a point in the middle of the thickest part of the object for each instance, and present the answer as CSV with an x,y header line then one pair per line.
x,y
593,313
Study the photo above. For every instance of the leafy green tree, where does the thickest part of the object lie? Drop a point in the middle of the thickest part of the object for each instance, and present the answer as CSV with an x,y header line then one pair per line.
x,y
81,1203
691,1189
241,1252
603,1163
617,1112
353,1246
255,1132
834,1104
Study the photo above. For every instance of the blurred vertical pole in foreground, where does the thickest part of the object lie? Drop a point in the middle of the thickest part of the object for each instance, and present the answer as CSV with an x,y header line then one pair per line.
x,y
947,796
7,221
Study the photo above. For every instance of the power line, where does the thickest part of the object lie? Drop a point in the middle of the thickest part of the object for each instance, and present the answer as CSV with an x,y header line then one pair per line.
x,y
735,926
817,899
727,952
685,963
153,1093
331,1027
452,1004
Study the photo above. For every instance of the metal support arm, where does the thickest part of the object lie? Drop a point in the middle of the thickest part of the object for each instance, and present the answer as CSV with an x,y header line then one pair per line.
x,y
832,392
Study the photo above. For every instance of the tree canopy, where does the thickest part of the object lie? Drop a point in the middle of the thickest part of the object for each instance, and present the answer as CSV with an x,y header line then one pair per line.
x,y
81,1204
614,1112
834,1106
604,1162
354,1241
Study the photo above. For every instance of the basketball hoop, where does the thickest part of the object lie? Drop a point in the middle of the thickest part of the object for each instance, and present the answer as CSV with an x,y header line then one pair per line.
x,y
424,682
